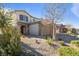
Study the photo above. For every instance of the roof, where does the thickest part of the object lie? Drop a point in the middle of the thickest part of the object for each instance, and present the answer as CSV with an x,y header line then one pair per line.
x,y
26,13
46,22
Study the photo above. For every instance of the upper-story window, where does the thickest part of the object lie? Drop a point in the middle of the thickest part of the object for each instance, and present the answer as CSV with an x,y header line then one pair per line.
x,y
23,18
26,18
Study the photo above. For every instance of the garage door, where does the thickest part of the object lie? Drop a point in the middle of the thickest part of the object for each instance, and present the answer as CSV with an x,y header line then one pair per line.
x,y
34,29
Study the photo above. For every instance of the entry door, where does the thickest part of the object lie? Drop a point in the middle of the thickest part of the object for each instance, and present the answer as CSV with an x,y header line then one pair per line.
x,y
23,29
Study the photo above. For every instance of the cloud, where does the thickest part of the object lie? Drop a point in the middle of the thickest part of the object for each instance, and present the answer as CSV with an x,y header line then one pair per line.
x,y
75,9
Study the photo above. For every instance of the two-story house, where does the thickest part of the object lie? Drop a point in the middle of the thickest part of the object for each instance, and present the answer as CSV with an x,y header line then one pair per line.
x,y
30,25
25,22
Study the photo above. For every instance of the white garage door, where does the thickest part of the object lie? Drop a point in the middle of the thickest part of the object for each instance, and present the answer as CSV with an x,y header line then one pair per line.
x,y
34,29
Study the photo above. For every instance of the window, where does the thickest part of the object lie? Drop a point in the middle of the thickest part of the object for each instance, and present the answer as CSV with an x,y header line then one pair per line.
x,y
23,18
26,18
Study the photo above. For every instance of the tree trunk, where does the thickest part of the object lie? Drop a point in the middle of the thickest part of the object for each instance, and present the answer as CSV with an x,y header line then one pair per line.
x,y
53,34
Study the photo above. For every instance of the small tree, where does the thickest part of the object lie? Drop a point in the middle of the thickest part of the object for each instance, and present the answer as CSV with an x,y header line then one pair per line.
x,y
10,36
74,31
64,30
54,12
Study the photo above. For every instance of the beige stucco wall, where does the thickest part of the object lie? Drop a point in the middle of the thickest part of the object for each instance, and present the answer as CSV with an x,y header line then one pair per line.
x,y
14,19
45,30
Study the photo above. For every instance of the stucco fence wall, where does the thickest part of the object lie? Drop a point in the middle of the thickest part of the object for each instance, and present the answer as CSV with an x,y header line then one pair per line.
x,y
65,37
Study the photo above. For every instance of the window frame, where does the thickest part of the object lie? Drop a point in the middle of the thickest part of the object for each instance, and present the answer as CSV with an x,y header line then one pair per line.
x,y
23,18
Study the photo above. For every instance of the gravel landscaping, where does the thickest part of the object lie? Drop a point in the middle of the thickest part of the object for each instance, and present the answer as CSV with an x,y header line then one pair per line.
x,y
38,47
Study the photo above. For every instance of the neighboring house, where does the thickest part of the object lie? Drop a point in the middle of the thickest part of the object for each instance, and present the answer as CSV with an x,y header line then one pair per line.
x,y
64,28
77,31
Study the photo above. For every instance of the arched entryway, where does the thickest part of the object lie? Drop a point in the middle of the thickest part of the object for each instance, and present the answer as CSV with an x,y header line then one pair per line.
x,y
23,29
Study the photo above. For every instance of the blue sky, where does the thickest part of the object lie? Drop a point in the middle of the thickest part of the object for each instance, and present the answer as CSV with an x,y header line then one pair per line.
x,y
36,10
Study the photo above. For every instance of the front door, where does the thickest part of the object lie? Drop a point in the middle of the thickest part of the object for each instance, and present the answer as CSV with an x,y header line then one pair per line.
x,y
23,30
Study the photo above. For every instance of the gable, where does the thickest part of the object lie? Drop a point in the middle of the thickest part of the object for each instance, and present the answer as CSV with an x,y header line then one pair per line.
x,y
22,12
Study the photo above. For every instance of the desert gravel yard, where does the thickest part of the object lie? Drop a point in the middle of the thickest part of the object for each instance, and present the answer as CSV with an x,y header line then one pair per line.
x,y
37,47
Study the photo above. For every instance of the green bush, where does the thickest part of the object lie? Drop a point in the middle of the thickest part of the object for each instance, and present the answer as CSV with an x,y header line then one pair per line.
x,y
10,42
49,41
61,42
10,36
77,36
68,51
75,42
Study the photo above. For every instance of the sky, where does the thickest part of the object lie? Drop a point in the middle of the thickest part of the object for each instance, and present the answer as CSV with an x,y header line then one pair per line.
x,y
71,16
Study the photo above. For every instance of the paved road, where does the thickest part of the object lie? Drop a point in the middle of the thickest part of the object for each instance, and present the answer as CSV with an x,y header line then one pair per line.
x,y
66,38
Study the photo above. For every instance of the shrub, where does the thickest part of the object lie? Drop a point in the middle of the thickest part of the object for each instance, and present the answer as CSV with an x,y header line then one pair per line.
x,y
75,42
49,41
77,36
60,39
10,37
45,37
61,42
68,51
10,42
